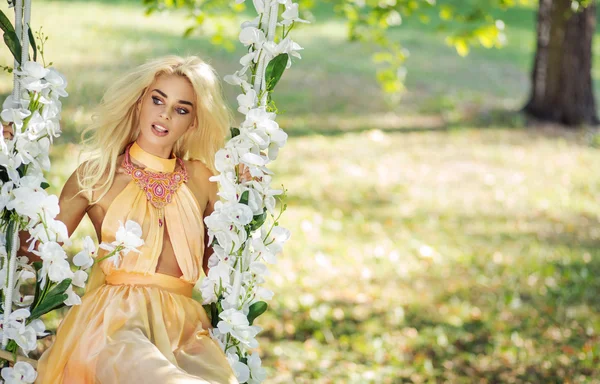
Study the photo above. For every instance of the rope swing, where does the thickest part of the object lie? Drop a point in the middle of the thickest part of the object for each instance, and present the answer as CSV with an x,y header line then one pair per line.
x,y
243,229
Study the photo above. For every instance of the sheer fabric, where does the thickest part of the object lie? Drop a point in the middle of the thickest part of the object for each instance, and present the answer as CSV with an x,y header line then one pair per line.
x,y
135,325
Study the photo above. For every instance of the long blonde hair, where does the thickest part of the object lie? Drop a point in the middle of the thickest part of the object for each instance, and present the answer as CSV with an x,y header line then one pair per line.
x,y
114,124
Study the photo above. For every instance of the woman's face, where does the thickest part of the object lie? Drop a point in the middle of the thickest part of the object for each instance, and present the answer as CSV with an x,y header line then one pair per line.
x,y
166,112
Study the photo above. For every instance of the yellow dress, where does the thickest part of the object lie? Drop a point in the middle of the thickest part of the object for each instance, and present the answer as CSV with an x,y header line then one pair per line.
x,y
135,325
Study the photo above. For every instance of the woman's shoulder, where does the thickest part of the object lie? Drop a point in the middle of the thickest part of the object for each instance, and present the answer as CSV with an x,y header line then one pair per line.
x,y
199,175
198,170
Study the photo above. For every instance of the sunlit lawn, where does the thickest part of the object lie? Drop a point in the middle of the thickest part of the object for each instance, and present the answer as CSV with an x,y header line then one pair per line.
x,y
466,254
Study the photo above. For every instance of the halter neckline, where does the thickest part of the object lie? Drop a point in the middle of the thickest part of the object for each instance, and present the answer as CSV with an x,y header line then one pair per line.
x,y
152,161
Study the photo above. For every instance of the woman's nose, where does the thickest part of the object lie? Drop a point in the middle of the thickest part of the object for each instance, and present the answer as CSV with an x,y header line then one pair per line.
x,y
165,114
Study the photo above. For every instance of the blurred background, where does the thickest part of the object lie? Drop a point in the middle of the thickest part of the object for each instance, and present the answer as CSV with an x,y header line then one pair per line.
x,y
439,232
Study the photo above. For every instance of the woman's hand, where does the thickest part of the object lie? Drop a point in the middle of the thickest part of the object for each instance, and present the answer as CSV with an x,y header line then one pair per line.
x,y
244,173
7,131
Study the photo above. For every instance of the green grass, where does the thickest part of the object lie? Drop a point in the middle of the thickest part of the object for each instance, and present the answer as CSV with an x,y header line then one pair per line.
x,y
420,252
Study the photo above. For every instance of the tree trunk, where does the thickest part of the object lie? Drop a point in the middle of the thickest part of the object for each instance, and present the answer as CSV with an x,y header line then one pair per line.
x,y
561,84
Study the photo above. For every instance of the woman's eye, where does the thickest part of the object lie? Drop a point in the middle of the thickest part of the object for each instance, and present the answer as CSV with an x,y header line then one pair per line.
x,y
182,111
156,100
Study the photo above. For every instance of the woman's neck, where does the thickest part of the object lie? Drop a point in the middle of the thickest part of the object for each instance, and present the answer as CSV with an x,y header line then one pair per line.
x,y
164,152
152,161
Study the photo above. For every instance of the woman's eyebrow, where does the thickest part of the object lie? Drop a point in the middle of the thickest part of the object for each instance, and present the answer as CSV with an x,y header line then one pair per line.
x,y
166,97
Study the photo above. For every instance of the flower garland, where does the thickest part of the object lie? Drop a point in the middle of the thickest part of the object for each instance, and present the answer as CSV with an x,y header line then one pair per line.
x,y
33,111
244,228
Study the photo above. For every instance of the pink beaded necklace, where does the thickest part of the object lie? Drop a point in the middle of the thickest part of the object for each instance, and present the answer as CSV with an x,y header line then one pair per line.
x,y
158,186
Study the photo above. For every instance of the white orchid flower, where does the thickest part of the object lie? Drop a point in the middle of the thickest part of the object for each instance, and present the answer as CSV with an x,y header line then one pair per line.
x,y
33,84
246,101
252,160
262,187
208,289
237,213
22,276
236,323
257,373
57,81
241,370
221,272
72,297
290,47
259,118
16,318
49,230
255,201
291,13
27,202
271,245
263,293
85,257
249,58
21,373
11,164
24,336
234,296
247,335
251,23
229,190
111,247
79,278
39,327
240,145
235,79
33,75
252,36
5,194
227,237
55,264
36,127
35,152
225,160
129,236
15,116
33,69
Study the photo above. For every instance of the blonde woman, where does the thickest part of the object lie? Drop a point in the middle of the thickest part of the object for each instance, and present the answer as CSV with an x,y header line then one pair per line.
x,y
150,153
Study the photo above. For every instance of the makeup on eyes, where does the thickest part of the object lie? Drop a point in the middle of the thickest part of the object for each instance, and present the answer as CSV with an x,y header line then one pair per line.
x,y
166,97
158,101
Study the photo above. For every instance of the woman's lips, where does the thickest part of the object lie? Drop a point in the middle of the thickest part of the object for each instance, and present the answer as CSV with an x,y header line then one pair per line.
x,y
159,130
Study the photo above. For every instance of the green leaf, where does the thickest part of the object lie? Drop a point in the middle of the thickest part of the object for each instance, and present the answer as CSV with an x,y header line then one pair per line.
x,y
258,220
9,235
188,32
245,197
37,265
44,185
60,287
5,24
275,70
32,43
54,299
50,303
13,44
256,310
234,132
214,314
